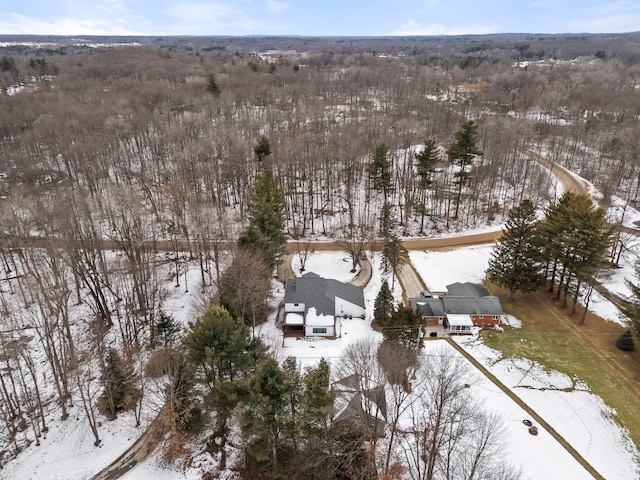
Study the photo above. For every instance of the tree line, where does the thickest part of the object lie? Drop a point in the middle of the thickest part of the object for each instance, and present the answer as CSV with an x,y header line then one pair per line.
x,y
566,249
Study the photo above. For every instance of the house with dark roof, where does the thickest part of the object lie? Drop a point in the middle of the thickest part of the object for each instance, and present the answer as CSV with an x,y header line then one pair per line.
x,y
360,403
465,305
431,309
316,306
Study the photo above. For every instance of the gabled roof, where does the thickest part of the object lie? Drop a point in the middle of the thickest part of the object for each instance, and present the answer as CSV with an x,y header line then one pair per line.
x,y
467,290
353,389
489,305
318,292
428,307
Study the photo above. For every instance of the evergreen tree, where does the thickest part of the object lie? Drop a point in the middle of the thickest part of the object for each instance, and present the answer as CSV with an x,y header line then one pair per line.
x,y
218,345
388,221
574,239
212,86
263,417
380,170
265,206
292,409
262,148
405,326
118,379
166,330
383,306
625,341
461,154
426,161
514,262
632,308
317,402
394,256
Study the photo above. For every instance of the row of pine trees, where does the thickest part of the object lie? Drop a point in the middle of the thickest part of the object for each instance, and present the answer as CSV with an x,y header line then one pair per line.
x,y
566,249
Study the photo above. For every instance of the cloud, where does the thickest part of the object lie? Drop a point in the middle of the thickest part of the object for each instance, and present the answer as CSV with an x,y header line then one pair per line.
x,y
17,24
609,24
203,11
274,6
412,27
610,17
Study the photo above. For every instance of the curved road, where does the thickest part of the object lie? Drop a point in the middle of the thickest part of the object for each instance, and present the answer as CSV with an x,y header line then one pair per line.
x,y
412,284
408,277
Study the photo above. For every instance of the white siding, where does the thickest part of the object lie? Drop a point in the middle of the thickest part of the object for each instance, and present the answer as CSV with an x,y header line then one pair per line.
x,y
294,307
345,308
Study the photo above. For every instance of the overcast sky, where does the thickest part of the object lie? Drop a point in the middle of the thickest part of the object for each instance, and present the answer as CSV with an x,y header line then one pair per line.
x,y
316,17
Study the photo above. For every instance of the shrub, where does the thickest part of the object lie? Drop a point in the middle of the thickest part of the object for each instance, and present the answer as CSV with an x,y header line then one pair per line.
x,y
625,341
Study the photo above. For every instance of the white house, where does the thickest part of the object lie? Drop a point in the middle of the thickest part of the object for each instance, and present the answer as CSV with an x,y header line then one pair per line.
x,y
316,306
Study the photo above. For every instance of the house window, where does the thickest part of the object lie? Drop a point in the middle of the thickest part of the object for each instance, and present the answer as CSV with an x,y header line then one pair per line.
x,y
319,330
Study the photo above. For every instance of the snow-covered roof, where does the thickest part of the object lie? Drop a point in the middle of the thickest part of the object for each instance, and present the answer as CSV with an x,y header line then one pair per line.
x,y
294,319
319,320
459,320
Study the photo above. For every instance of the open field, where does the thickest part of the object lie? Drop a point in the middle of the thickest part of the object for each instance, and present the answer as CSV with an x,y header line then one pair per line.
x,y
550,336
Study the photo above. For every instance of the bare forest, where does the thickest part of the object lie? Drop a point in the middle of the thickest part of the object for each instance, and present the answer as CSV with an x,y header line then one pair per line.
x,y
120,163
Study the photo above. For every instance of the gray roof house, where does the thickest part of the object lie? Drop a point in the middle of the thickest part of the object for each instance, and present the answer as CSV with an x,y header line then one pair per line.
x,y
360,403
468,300
428,307
316,306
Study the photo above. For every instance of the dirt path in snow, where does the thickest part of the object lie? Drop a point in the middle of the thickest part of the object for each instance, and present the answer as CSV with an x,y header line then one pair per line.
x,y
137,453
407,276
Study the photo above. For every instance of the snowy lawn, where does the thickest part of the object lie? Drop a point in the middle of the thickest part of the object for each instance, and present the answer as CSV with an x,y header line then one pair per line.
x,y
439,269
579,416
571,409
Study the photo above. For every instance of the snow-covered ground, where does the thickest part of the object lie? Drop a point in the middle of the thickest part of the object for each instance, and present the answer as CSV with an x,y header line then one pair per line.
x,y
578,415
569,407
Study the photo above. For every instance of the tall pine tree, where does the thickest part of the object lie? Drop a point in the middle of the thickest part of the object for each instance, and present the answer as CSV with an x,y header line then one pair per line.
x,y
119,380
394,256
426,161
265,206
380,170
317,402
219,347
383,306
405,326
515,260
462,153
263,418
574,239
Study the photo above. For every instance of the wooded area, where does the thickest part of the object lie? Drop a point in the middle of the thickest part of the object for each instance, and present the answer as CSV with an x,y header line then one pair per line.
x,y
184,140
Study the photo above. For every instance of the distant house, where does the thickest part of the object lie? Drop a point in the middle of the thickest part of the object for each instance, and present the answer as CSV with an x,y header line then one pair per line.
x,y
316,306
465,305
360,404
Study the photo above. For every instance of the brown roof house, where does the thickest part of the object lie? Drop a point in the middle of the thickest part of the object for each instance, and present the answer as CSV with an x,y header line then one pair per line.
x,y
316,306
465,305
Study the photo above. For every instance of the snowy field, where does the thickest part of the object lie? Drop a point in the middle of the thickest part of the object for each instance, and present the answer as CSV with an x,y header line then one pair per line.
x,y
579,416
